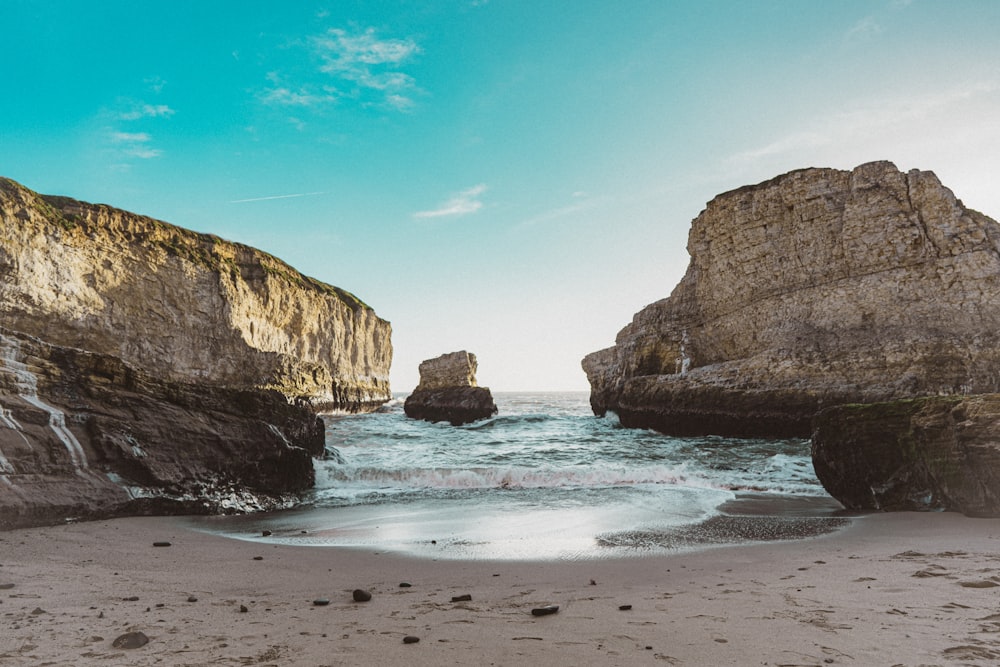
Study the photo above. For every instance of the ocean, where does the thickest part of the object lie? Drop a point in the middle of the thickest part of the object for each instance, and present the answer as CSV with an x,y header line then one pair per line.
x,y
543,479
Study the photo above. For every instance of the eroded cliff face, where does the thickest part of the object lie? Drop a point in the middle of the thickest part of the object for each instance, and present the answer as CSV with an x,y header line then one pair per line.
x,y
184,306
816,288
147,368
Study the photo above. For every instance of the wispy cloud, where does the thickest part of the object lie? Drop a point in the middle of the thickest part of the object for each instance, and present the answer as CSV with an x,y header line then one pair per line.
x,y
359,66
866,28
867,122
581,202
299,194
146,111
462,203
134,144
366,63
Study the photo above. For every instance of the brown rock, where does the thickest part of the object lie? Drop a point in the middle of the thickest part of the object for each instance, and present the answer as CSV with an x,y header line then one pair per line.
x,y
816,288
448,391
131,640
145,368
937,452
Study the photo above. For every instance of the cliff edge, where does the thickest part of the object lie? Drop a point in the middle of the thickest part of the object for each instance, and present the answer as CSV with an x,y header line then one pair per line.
x,y
148,368
816,288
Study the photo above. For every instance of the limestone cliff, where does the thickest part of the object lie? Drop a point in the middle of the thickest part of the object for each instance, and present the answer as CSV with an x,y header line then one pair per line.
x,y
448,391
144,366
184,306
815,288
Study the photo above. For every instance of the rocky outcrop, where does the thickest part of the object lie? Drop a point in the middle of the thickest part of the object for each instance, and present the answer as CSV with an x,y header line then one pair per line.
x,y
939,452
144,367
448,391
817,288
183,306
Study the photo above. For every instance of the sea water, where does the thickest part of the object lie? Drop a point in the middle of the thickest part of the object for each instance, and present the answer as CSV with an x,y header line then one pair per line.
x,y
543,479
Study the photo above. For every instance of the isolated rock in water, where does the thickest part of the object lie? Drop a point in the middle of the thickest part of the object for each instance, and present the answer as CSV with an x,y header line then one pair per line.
x,y
938,452
448,391
145,368
816,288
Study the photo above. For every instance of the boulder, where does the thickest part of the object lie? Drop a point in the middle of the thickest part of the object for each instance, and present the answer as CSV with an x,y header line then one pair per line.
x,y
819,287
931,453
448,391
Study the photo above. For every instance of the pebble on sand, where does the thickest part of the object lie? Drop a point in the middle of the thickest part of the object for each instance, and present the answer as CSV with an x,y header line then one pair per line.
x,y
321,602
361,596
462,598
131,640
545,611
161,544
410,639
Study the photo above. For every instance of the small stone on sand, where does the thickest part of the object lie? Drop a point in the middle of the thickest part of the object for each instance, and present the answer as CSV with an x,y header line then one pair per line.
x,y
545,611
462,598
361,596
131,640
410,639
321,602
161,544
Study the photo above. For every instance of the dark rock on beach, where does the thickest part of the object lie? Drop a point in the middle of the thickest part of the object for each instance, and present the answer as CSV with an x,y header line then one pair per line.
x,y
130,640
360,595
932,453
448,391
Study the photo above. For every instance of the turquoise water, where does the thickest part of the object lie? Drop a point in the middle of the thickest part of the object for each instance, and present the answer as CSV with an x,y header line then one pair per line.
x,y
542,479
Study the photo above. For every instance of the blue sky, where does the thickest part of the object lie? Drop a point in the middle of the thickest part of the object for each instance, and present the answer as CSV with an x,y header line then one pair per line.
x,y
515,178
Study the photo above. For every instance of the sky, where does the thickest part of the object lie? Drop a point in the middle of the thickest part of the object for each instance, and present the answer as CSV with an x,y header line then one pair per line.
x,y
515,178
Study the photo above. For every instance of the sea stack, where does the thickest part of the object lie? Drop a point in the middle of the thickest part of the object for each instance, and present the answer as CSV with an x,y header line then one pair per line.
x,y
448,391
816,288
146,368
859,307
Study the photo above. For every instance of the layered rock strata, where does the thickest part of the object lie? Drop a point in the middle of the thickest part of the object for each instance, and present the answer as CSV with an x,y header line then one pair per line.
x,y
816,288
144,367
939,452
448,391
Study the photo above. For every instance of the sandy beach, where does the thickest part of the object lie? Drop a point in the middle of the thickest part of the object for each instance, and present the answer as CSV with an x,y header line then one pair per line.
x,y
893,589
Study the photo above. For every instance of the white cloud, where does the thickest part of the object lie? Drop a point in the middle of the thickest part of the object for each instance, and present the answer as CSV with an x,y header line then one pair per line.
x,y
252,199
134,144
146,111
866,28
870,123
369,63
143,152
462,203
129,137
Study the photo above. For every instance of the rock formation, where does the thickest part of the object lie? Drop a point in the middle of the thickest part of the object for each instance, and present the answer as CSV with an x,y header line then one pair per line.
x,y
816,288
144,366
938,452
448,391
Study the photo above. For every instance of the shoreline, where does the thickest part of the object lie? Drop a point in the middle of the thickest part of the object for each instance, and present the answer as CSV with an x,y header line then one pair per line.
x,y
907,589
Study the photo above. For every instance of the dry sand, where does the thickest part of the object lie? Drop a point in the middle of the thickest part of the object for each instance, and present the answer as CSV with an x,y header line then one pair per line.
x,y
899,589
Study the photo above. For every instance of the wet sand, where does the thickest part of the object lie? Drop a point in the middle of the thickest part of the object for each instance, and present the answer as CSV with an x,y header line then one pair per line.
x,y
891,589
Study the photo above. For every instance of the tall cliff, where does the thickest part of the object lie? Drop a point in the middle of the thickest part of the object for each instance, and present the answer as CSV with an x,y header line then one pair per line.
x,y
140,361
815,288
